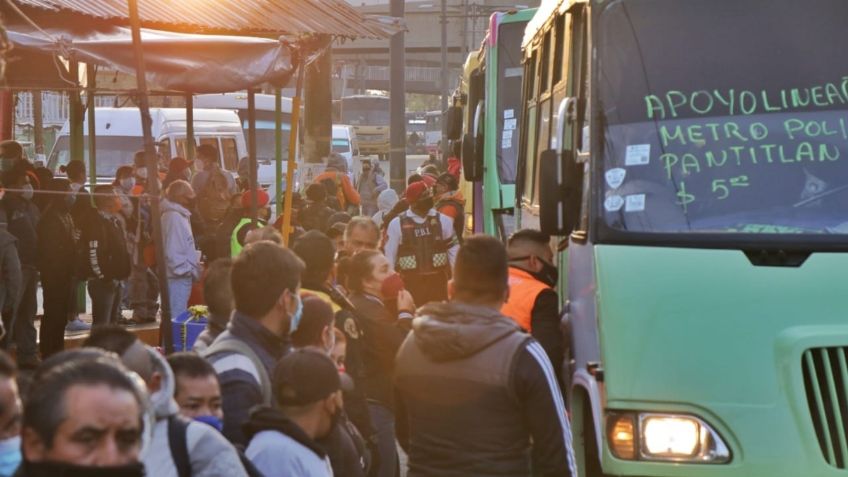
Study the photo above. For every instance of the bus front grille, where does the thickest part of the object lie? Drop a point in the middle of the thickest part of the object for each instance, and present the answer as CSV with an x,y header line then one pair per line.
x,y
826,383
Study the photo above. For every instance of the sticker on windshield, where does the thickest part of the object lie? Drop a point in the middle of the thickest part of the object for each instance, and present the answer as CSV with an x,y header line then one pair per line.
x,y
615,177
613,203
510,124
509,113
638,155
635,203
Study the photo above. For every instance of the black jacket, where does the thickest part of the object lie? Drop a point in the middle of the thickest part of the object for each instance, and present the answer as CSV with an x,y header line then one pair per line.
x,y
45,469
477,396
23,216
382,336
103,246
57,243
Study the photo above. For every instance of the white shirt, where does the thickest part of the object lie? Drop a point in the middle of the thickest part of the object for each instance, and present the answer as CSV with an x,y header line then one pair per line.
x,y
395,235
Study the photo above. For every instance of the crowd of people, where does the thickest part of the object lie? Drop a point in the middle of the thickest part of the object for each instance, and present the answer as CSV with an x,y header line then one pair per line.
x,y
379,326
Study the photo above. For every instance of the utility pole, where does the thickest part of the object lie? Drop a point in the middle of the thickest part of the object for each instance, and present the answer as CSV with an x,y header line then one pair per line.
x,y
397,106
444,88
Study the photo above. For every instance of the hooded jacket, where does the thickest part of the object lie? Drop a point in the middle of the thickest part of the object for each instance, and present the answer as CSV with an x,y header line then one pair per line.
x,y
210,454
385,201
479,397
181,258
279,447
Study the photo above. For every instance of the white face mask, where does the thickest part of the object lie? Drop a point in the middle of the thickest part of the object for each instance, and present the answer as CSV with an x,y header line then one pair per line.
x,y
128,183
142,173
75,187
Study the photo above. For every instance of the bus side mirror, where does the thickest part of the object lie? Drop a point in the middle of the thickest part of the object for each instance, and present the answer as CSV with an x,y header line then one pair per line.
x,y
472,169
453,116
560,192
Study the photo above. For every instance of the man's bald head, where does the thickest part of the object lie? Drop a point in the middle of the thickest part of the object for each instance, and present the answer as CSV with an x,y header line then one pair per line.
x,y
525,243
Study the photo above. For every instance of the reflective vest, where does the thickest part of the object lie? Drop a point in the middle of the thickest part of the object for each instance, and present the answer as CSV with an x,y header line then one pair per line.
x,y
524,289
422,248
235,245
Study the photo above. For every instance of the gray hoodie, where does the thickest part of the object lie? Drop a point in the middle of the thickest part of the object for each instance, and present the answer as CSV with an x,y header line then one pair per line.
x,y
385,201
181,255
210,454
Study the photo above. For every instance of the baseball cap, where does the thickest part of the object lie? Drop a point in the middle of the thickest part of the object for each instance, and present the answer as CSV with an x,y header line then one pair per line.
x,y
417,191
305,376
262,198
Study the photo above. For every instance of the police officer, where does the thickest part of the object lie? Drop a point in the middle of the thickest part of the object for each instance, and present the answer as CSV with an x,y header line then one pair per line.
x,y
533,302
422,245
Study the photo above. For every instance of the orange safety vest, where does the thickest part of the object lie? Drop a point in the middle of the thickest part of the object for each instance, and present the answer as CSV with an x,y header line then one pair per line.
x,y
524,289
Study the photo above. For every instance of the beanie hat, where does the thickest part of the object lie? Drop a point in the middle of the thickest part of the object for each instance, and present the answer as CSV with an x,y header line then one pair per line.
x,y
262,198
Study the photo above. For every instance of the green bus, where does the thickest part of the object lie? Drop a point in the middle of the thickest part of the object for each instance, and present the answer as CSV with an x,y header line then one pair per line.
x,y
492,117
688,156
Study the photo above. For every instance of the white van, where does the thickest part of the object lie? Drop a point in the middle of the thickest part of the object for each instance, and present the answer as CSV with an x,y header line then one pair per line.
x,y
119,136
344,143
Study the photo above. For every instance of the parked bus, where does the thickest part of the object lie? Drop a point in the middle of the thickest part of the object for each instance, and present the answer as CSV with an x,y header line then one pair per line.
x,y
369,116
492,118
690,157
433,131
119,137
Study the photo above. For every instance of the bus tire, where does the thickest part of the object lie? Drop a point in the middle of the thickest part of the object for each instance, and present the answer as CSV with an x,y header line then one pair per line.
x,y
586,448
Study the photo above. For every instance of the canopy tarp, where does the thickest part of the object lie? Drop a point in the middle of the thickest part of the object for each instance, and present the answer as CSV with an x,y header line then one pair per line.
x,y
174,61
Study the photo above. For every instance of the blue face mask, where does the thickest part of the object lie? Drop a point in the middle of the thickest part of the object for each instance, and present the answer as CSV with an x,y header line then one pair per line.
x,y
10,456
212,421
296,316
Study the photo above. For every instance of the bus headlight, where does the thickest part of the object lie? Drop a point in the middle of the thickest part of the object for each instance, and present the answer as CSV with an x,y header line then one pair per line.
x,y
665,437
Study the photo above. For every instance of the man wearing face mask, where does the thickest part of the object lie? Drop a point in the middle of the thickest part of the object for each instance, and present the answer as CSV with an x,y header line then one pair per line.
x,y
178,447
182,259
265,282
23,217
105,257
57,252
533,303
72,401
309,399
421,245
10,417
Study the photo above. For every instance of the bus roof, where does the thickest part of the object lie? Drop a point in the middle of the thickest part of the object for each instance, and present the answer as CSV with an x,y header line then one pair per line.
x,y
544,13
264,102
500,18
127,121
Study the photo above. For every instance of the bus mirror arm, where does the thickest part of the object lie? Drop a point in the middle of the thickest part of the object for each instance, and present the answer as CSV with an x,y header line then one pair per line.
x,y
560,192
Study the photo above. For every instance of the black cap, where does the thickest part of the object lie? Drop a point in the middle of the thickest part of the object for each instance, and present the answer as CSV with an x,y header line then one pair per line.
x,y
305,376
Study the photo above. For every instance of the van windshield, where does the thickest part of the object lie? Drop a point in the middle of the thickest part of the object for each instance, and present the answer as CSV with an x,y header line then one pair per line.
x,y
716,123
112,153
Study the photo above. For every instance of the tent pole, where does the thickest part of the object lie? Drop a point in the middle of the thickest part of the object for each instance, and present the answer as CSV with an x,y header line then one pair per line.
x,y
152,181
190,145
251,145
77,135
278,146
92,128
295,120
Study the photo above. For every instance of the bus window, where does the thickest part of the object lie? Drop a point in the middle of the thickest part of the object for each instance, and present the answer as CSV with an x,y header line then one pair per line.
x,y
542,144
508,113
529,135
181,147
545,60
559,48
230,152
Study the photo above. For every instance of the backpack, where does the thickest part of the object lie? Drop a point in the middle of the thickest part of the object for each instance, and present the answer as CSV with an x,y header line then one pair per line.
x,y
214,198
335,194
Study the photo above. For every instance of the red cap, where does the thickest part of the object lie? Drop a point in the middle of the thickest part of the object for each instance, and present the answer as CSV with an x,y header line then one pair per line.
x,y
262,199
417,191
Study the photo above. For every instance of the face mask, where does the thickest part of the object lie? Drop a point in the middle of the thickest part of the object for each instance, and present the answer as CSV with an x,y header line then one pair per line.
x,y
70,470
27,191
70,200
10,455
75,187
128,183
212,421
296,316
142,173
423,206
549,274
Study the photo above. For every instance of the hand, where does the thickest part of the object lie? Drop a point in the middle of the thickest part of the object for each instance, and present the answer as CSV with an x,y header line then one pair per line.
x,y
405,301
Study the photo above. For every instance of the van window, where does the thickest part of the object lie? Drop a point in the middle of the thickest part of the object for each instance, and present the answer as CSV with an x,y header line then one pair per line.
x,y
230,152
181,147
165,149
112,153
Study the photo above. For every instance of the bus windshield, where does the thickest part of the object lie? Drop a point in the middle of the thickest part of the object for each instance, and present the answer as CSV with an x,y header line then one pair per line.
x,y
724,120
508,114
365,111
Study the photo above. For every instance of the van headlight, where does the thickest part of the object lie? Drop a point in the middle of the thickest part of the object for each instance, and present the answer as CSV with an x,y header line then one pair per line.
x,y
665,437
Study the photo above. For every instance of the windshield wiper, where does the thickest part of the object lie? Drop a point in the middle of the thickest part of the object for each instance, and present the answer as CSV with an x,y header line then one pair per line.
x,y
822,195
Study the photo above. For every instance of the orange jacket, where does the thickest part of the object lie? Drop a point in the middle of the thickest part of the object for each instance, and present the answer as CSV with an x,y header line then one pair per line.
x,y
347,193
523,291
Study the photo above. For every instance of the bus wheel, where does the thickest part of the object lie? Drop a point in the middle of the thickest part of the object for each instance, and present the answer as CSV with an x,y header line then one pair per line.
x,y
591,461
